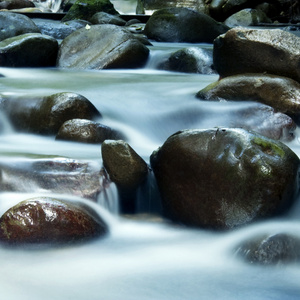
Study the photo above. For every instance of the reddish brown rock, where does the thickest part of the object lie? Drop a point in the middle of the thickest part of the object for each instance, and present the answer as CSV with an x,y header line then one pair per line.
x,y
49,221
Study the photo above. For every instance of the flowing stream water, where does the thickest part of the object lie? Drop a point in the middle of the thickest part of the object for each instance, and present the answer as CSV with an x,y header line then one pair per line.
x,y
140,258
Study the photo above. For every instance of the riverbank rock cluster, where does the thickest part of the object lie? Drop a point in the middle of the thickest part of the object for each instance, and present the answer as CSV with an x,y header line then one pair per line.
x,y
245,12
217,178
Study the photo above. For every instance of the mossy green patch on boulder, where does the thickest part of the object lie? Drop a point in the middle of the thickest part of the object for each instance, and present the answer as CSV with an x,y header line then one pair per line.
x,y
224,178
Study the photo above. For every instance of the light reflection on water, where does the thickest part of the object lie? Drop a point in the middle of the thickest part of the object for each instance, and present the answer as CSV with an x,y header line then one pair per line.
x,y
139,259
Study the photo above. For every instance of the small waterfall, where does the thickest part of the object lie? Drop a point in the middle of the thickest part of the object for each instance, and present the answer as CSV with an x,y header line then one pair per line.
x,y
5,125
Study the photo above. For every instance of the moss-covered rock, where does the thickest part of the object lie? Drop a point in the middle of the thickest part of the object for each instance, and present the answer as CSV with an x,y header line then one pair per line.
x,y
224,178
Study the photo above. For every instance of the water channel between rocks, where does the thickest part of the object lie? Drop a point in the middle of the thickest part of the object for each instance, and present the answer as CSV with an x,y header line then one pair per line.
x,y
139,259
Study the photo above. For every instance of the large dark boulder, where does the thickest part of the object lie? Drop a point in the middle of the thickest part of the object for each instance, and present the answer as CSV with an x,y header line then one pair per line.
x,y
224,178
86,131
45,115
183,25
243,50
49,221
102,47
13,24
28,50
281,93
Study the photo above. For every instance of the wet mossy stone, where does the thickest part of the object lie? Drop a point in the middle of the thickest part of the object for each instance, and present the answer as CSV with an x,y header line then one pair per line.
x,y
45,115
103,46
274,249
86,131
183,25
28,50
243,50
281,93
85,9
50,221
13,24
224,178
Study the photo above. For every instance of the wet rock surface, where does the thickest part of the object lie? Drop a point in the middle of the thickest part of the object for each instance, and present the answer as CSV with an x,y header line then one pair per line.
x,y
102,47
224,178
266,121
182,25
49,221
86,131
52,175
105,18
247,17
16,4
59,30
189,60
45,115
126,169
85,9
281,93
28,50
13,24
276,249
242,51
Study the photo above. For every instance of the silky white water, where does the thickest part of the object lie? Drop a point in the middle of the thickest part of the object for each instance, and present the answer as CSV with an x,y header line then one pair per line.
x,y
141,258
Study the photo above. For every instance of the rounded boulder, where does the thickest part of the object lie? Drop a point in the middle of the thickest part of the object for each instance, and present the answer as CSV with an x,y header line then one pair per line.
x,y
224,178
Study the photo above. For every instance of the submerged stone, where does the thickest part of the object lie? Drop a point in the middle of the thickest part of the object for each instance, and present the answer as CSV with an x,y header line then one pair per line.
x,y
224,178
52,175
28,50
281,93
49,221
183,25
105,18
267,250
102,47
243,50
189,60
